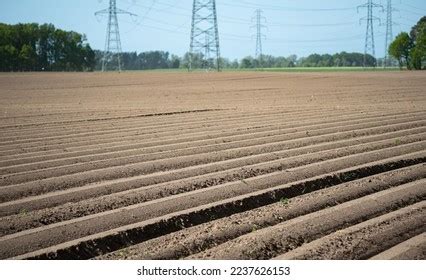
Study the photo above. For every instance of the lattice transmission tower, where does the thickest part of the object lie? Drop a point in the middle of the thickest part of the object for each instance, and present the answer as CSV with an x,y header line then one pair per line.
x,y
112,42
370,47
259,19
389,34
204,34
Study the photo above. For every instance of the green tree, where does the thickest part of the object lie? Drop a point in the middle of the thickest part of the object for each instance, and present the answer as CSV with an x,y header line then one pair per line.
x,y
89,58
196,59
9,57
417,28
400,49
418,52
247,62
45,46
235,64
174,62
33,47
27,58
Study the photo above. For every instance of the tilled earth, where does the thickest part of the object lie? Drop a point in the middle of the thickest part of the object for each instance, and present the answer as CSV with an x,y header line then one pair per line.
x,y
213,166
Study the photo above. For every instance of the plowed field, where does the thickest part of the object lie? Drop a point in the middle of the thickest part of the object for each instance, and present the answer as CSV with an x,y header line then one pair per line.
x,y
213,166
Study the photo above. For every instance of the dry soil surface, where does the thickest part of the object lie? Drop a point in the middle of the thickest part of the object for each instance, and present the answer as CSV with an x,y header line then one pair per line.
x,y
213,165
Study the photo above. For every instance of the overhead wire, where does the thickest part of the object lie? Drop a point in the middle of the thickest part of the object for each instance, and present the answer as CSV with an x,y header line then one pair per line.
x,y
176,10
282,8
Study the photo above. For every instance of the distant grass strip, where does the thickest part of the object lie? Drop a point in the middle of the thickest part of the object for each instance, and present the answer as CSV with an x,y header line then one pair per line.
x,y
287,69
328,69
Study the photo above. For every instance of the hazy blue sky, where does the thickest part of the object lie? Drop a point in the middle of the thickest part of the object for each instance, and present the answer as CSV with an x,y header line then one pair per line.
x,y
294,27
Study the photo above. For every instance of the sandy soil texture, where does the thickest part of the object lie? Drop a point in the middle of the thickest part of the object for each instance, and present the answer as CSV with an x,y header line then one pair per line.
x,y
251,165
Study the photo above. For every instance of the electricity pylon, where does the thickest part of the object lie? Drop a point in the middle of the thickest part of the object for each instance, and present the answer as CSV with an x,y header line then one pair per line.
x,y
204,33
112,42
369,35
258,18
389,33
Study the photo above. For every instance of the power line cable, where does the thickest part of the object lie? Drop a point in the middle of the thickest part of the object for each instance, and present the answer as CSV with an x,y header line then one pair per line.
x,y
251,5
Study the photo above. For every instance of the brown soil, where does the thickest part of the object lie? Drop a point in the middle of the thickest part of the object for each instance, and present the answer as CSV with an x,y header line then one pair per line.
x,y
366,239
215,165
199,238
412,249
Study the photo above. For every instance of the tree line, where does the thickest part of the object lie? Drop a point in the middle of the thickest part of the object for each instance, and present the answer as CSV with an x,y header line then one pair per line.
x,y
143,61
34,47
342,59
410,48
163,60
